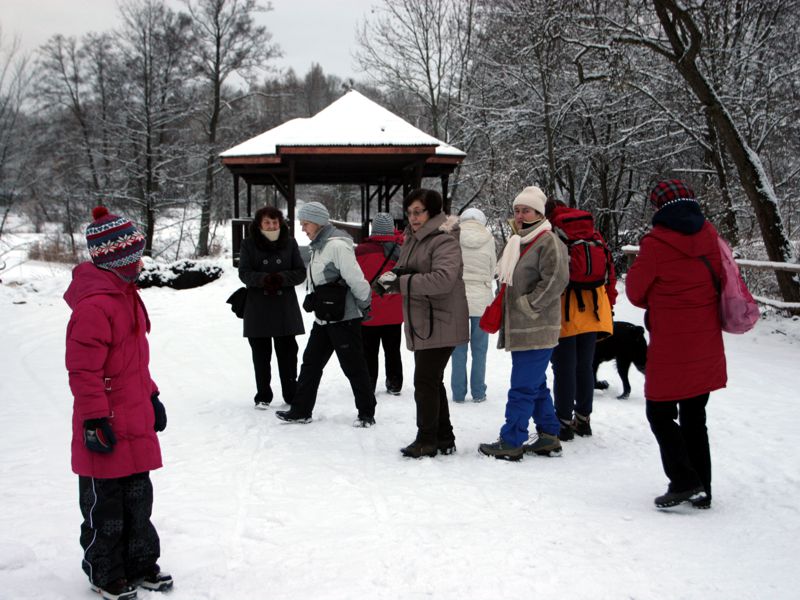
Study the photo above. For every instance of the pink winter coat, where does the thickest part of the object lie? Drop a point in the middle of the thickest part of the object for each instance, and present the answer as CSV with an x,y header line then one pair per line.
x,y
107,360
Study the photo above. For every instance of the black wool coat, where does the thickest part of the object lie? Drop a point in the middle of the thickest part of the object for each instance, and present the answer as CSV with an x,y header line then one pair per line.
x,y
271,313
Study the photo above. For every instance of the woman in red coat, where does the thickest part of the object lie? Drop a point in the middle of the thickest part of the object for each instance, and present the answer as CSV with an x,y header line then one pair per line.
x,y
376,255
686,358
116,412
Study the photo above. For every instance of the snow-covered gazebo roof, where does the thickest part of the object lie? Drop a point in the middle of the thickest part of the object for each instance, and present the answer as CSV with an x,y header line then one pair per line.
x,y
353,121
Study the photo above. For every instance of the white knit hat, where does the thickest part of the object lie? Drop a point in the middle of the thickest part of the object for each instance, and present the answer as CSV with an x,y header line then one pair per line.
x,y
533,197
473,214
313,212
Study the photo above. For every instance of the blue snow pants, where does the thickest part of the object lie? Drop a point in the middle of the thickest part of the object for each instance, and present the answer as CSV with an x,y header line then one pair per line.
x,y
529,397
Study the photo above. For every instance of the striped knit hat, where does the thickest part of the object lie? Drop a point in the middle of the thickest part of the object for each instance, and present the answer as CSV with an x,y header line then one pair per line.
x,y
669,191
382,224
114,243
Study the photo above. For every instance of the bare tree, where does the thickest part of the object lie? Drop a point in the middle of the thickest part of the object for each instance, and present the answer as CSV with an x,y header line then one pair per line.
x,y
685,50
225,40
423,47
154,47
14,82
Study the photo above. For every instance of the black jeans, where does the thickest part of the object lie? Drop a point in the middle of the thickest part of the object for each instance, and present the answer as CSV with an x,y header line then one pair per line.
x,y
430,395
390,336
286,352
684,449
344,338
573,375
117,537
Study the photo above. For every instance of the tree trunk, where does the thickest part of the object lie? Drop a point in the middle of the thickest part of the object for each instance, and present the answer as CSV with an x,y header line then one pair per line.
x,y
751,171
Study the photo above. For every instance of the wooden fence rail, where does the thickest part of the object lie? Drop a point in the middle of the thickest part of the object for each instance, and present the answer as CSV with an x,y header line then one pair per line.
x,y
759,265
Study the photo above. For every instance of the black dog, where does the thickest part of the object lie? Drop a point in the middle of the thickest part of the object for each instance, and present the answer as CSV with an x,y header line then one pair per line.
x,y
627,346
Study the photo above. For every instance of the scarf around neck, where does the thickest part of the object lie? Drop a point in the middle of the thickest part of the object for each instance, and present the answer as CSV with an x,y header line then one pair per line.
x,y
508,261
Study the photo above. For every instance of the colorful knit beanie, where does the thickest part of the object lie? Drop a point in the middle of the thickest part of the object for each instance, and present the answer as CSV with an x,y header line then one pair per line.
x,y
669,191
114,244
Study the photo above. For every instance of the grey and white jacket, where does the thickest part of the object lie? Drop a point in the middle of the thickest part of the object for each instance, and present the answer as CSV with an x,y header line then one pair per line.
x,y
333,256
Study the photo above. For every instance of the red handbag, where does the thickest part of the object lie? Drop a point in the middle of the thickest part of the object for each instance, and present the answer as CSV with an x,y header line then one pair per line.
x,y
492,316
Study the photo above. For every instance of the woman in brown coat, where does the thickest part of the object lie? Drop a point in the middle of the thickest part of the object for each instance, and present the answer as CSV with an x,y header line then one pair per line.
x,y
435,314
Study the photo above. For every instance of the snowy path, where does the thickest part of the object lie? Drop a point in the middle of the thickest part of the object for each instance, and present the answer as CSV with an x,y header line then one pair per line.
x,y
251,508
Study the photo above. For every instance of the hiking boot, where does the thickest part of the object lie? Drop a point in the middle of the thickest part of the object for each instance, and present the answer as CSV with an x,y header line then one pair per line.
x,y
501,450
262,405
543,444
156,581
695,495
447,447
702,503
582,426
481,399
289,417
364,422
566,432
393,387
119,589
419,449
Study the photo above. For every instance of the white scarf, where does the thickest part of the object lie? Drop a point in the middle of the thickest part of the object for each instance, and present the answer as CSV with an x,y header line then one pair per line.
x,y
508,261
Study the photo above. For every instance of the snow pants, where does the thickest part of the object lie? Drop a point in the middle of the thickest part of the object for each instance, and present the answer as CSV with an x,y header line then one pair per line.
x,y
573,375
117,537
286,352
680,429
344,338
390,336
529,397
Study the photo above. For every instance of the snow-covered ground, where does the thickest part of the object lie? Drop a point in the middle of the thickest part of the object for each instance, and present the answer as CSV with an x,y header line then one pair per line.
x,y
249,508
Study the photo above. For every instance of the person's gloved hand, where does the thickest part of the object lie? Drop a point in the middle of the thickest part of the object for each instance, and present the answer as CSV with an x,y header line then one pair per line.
x,y
160,412
272,282
389,282
98,435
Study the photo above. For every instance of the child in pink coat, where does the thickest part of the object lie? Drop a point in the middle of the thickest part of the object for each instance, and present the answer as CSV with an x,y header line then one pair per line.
x,y
116,412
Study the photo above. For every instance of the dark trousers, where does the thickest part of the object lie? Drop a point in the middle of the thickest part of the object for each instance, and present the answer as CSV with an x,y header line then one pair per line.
x,y
430,395
680,429
286,352
117,537
573,375
344,338
390,336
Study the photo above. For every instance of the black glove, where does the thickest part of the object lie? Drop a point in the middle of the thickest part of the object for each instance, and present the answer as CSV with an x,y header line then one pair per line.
x,y
160,423
272,282
403,271
98,435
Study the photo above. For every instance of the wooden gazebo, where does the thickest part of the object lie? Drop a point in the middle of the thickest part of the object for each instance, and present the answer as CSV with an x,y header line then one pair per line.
x,y
352,141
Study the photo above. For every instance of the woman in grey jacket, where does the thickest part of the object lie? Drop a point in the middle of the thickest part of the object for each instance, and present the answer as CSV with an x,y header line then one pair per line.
x,y
333,259
535,268
435,314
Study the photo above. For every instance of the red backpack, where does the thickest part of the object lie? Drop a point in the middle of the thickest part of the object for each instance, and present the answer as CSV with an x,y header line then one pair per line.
x,y
589,257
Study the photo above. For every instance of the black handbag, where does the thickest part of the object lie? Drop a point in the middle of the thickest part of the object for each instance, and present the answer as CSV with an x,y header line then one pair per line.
x,y
237,301
329,301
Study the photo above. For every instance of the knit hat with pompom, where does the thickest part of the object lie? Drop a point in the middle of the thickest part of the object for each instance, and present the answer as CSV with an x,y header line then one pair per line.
x,y
114,243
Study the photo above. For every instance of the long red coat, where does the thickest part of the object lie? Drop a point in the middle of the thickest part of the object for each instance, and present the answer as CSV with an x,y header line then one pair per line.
x,y
686,356
107,359
386,309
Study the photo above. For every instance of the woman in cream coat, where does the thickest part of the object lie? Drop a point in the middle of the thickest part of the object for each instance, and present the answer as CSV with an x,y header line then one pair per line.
x,y
480,259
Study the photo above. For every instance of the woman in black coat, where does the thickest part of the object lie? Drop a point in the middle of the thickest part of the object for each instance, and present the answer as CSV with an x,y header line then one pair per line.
x,y
270,266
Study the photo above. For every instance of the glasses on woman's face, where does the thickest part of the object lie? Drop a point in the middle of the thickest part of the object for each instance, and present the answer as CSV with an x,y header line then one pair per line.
x,y
416,213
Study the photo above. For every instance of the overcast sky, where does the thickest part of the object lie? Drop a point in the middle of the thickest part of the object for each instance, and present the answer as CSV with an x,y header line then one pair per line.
x,y
321,31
